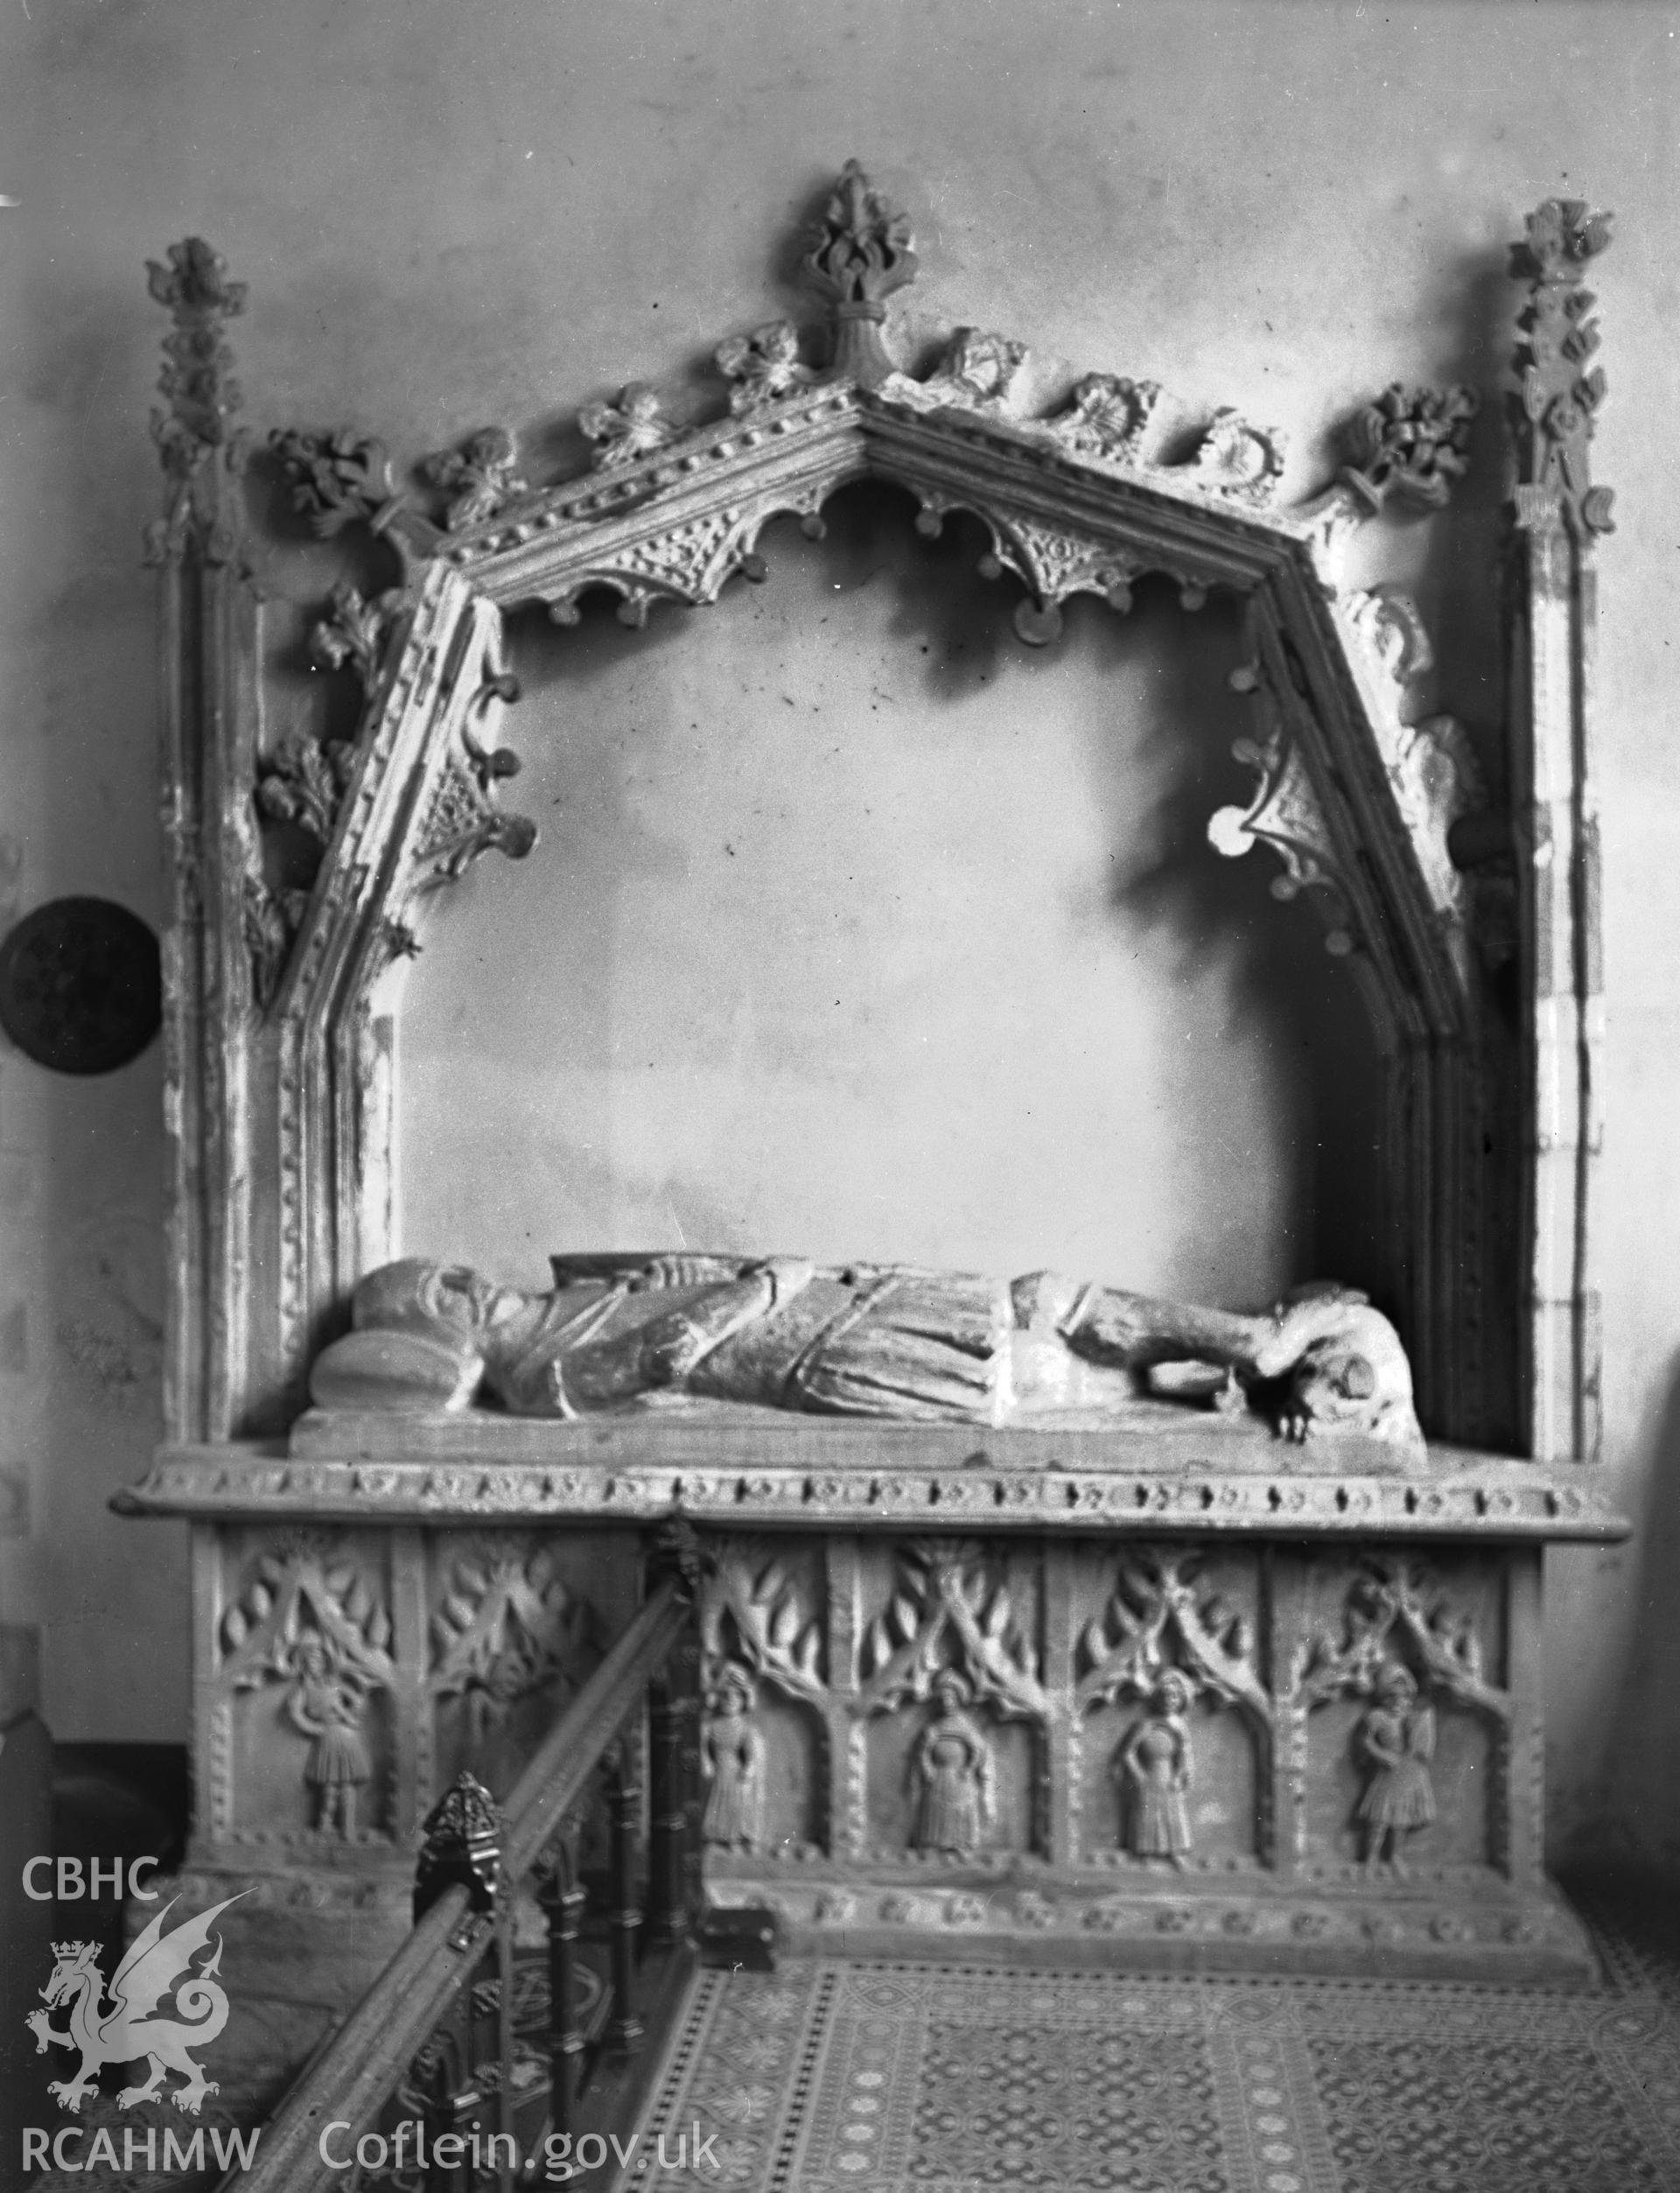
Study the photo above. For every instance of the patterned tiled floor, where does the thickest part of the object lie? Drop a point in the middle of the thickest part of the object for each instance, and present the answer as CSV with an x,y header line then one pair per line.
x,y
905,2078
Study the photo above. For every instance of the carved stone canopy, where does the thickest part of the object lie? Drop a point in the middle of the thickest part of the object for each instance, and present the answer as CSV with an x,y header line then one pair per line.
x,y
285,1092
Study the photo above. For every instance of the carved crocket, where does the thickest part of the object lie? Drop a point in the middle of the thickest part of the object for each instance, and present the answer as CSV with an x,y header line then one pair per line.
x,y
856,1339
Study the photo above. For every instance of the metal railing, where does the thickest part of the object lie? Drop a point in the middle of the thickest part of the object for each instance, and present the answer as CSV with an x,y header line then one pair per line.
x,y
434,2038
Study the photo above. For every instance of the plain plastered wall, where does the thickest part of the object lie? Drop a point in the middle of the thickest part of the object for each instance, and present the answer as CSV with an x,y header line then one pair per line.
x,y
451,215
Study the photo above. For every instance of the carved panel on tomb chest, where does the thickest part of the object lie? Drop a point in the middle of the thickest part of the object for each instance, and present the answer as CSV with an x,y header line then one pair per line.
x,y
948,1750
306,1742
512,1634
1170,1723
764,1743
1399,1689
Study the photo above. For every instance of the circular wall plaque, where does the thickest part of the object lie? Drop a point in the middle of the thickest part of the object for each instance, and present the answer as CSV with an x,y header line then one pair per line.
x,y
80,985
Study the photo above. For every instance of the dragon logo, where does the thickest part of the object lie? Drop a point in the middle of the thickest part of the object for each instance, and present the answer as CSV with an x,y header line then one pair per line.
x,y
130,2027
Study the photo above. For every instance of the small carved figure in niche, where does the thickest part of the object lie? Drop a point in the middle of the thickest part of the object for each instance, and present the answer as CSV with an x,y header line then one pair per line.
x,y
491,1697
325,1704
1397,1739
860,1341
731,1759
955,1769
1153,1764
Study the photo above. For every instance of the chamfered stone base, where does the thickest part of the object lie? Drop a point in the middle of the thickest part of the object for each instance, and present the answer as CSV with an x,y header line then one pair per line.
x,y
1381,1926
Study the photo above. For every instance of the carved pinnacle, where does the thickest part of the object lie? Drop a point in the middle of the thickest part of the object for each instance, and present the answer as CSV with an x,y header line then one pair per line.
x,y
856,255
197,382
1560,395
197,376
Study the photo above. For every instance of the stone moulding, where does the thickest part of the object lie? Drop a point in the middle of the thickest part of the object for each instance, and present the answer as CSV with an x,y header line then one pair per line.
x,y
280,1041
1464,1496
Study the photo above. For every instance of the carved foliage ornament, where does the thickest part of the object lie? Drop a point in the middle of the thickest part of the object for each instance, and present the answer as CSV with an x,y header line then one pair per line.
x,y
763,366
1107,416
1390,1609
353,631
755,1615
950,1610
337,479
1240,461
478,478
627,430
1409,446
302,1587
303,781
507,1626
1160,1620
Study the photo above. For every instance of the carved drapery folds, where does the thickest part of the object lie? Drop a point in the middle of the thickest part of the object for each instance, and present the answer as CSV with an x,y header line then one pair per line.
x,y
1084,491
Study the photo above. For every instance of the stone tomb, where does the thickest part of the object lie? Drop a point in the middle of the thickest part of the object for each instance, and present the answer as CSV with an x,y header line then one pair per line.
x,y
1132,1677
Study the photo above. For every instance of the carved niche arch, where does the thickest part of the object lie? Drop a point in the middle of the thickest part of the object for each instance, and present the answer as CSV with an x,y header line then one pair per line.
x,y
280,1073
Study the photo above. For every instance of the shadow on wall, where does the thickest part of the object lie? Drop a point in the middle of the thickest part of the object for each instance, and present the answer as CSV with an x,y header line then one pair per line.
x,y
1627,1805
853,913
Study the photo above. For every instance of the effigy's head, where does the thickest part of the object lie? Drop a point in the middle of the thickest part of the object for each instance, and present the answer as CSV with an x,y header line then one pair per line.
x,y
1354,1376
442,1301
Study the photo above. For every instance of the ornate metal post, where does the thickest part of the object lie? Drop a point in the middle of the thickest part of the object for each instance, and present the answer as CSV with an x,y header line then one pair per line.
x,y
624,1799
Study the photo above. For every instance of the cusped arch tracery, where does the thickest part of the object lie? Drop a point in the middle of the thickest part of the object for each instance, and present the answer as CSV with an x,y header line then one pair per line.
x,y
1106,482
